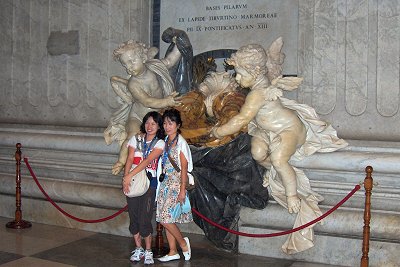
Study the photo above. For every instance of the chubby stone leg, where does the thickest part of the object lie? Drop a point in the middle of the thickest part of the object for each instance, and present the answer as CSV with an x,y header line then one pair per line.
x,y
288,176
293,203
132,127
117,168
259,152
120,164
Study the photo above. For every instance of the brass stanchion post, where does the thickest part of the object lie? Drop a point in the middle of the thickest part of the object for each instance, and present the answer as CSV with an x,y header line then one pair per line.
x,y
368,184
159,249
18,223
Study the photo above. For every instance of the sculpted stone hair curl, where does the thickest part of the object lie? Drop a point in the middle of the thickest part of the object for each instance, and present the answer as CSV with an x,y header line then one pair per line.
x,y
252,58
129,45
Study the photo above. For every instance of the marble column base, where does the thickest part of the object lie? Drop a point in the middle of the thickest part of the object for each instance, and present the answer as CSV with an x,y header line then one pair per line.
x,y
42,211
338,241
74,167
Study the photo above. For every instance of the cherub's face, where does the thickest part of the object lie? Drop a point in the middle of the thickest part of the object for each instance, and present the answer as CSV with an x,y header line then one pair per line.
x,y
132,62
244,78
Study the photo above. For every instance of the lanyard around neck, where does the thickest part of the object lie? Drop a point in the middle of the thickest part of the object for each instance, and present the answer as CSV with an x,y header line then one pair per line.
x,y
167,149
146,150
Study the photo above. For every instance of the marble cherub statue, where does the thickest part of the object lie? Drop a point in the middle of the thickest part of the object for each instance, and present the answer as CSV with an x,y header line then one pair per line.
x,y
148,87
282,130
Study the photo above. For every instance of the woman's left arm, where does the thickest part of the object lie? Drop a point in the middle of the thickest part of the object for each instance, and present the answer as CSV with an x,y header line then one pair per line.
x,y
184,177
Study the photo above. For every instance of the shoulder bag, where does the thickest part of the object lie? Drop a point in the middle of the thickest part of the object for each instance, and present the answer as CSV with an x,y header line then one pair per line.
x,y
140,182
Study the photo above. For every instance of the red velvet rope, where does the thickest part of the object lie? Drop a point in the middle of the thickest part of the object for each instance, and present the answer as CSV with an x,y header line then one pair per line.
x,y
356,188
64,212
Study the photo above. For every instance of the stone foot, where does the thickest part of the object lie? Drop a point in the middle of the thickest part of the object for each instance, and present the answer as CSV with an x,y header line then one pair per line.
x,y
266,179
293,203
117,168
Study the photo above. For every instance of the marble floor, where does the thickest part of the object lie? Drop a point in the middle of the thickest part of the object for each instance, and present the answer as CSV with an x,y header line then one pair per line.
x,y
52,246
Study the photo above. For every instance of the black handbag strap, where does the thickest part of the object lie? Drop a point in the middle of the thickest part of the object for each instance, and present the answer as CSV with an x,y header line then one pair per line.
x,y
176,167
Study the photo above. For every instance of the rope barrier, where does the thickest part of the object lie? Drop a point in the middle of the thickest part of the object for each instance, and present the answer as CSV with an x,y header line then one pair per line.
x,y
18,223
356,188
64,212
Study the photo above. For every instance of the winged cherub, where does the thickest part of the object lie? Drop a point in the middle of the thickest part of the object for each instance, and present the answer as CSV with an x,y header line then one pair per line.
x,y
148,87
282,130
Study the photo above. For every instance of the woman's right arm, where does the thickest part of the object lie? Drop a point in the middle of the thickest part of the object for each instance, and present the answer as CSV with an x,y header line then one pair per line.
x,y
129,160
155,153
128,165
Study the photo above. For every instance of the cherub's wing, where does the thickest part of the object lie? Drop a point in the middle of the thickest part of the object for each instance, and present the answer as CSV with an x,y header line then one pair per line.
x,y
287,83
120,88
116,126
275,58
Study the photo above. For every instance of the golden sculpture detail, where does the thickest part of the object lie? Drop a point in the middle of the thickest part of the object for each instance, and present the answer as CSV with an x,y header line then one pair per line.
x,y
202,65
217,100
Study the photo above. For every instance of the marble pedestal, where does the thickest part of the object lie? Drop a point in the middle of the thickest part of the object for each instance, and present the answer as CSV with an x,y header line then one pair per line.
x,y
338,240
73,165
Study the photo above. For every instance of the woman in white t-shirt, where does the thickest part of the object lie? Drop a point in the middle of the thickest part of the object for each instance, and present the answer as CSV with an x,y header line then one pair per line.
x,y
148,145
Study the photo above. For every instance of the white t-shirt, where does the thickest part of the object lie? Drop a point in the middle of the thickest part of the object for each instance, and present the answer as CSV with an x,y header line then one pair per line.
x,y
152,167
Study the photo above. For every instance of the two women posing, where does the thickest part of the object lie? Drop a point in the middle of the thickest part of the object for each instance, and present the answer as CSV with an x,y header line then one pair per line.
x,y
169,159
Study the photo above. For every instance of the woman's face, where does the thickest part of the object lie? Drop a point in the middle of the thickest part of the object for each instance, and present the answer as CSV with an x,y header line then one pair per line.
x,y
151,126
170,127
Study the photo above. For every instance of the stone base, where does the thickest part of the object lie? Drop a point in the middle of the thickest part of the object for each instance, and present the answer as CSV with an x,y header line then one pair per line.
x,y
74,167
338,241
42,211
328,249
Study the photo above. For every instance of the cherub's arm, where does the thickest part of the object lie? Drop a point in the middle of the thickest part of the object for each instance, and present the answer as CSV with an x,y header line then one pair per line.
x,y
172,58
119,84
254,101
147,100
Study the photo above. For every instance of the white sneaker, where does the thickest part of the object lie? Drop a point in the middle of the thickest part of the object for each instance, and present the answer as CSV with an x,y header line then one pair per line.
x,y
137,255
148,257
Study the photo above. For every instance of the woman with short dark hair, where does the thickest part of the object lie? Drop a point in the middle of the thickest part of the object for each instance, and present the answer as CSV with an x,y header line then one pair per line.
x,y
173,205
